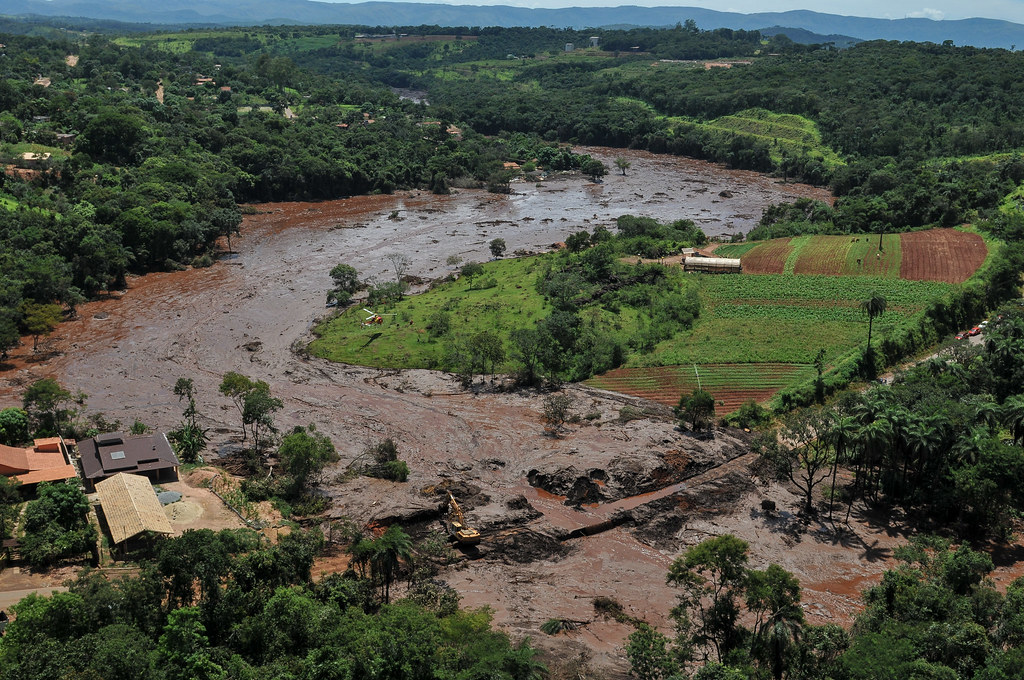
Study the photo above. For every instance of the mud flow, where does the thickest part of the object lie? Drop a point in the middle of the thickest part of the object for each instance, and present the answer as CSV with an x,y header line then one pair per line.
x,y
599,512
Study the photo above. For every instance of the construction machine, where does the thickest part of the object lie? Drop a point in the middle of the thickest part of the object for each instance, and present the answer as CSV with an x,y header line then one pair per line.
x,y
455,523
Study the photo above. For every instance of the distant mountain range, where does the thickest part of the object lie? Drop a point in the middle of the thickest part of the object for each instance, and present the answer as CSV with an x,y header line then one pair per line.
x,y
976,32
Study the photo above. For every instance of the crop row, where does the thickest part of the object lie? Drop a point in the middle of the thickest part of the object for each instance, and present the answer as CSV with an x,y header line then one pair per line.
x,y
730,384
720,289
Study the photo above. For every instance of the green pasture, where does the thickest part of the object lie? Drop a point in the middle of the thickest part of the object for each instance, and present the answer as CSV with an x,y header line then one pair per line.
x,y
175,43
782,133
735,249
403,341
501,70
786,319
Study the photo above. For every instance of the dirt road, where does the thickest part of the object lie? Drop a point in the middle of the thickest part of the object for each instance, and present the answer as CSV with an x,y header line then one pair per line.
x,y
251,309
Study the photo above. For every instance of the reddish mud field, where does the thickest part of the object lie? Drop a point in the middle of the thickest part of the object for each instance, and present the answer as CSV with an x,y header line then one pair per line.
x,y
645,490
941,255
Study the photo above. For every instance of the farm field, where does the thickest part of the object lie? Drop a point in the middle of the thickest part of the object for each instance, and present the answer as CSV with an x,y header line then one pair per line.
x,y
947,255
767,258
732,385
941,255
748,323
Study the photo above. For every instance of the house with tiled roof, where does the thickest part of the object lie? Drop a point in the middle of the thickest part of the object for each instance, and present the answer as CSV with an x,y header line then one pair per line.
x,y
47,460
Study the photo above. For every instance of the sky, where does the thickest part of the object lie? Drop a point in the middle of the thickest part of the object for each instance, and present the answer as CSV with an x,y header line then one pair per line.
x,y
1010,10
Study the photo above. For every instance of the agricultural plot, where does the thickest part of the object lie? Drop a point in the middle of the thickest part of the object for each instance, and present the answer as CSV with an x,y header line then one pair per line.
x,y
854,255
771,321
768,257
734,249
946,255
732,385
941,255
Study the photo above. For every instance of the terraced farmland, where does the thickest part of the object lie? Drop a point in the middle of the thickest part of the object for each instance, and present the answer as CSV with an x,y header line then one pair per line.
x,y
731,385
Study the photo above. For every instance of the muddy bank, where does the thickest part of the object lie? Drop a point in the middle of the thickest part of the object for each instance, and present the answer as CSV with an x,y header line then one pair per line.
x,y
250,311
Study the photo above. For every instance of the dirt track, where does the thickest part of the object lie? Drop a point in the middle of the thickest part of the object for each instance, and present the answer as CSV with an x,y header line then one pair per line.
x,y
247,312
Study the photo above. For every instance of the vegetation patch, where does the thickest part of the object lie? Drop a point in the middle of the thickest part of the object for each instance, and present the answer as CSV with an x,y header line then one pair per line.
x,y
784,134
501,299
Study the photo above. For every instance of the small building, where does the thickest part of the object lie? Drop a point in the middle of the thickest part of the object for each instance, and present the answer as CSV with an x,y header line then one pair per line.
x,y
130,508
48,460
594,40
66,139
105,455
713,265
34,160
569,47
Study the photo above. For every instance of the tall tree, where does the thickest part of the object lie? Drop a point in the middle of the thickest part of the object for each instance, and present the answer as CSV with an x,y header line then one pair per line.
x,y
235,386
387,554
873,306
304,454
799,453
39,319
711,577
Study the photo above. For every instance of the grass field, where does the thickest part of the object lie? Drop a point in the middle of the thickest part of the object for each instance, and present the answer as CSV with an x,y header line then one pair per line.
x,y
403,341
788,133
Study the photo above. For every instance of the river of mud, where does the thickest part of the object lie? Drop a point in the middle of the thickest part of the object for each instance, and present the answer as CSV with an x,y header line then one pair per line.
x,y
653,489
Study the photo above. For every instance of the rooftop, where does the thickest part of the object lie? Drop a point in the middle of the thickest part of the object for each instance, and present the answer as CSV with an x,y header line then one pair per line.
x,y
131,507
45,461
112,452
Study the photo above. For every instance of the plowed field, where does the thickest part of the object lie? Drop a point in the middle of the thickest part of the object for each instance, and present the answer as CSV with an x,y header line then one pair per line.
x,y
946,255
767,258
731,385
941,255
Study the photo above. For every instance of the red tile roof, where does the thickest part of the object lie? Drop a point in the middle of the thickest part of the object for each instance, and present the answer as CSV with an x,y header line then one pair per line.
x,y
44,462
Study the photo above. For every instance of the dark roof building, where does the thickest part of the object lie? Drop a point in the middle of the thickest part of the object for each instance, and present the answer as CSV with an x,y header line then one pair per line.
x,y
107,454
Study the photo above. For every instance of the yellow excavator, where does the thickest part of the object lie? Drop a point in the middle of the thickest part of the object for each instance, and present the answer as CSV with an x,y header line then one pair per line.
x,y
456,524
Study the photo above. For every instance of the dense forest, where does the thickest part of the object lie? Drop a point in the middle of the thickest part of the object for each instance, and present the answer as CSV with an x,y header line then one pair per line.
x,y
226,605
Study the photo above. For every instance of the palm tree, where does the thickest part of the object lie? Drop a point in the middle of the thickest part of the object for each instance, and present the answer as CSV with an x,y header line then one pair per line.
x,y
840,435
873,306
387,553
1013,417
921,436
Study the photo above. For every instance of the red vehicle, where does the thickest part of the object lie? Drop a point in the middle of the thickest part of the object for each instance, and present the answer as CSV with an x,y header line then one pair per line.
x,y
961,335
974,331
